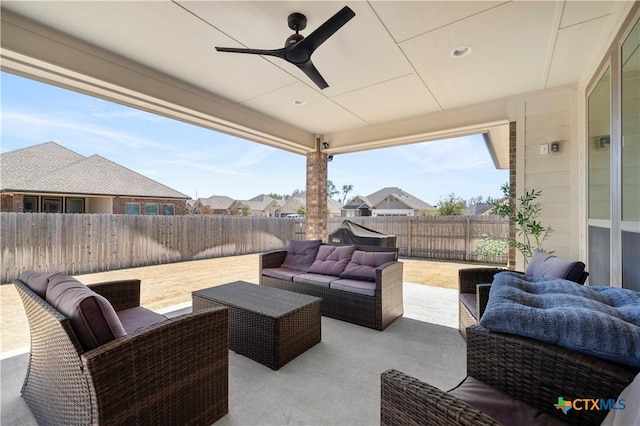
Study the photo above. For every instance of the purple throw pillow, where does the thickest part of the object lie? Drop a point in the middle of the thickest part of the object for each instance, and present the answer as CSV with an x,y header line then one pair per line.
x,y
363,264
301,254
331,260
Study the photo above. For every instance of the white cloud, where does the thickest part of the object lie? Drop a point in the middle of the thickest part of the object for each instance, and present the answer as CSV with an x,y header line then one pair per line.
x,y
50,127
186,164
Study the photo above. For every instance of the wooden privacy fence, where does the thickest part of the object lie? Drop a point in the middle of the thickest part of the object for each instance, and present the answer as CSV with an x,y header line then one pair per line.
x,y
83,243
436,237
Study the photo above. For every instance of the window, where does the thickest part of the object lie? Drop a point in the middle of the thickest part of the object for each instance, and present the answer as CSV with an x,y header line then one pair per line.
x,y
613,152
75,205
30,204
150,208
132,208
630,125
52,205
599,105
168,209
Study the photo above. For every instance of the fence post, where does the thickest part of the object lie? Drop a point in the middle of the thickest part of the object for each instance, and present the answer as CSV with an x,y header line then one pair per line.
x,y
467,239
409,237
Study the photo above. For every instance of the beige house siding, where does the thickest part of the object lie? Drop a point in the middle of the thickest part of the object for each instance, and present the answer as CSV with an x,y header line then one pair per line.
x,y
552,117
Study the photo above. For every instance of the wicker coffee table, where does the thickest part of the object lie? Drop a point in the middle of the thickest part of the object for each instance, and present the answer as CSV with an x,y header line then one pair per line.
x,y
269,325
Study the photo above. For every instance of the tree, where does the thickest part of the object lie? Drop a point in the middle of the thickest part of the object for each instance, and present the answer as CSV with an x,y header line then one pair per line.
x,y
452,205
302,211
346,189
331,189
246,210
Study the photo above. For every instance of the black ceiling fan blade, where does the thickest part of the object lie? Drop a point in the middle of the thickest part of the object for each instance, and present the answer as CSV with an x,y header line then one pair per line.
x,y
312,72
326,30
276,52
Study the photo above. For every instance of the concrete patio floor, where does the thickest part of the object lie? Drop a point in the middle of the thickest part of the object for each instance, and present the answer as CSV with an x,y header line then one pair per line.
x,y
168,285
336,382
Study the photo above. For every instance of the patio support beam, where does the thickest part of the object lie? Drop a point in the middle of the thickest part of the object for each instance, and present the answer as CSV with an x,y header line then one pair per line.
x,y
317,193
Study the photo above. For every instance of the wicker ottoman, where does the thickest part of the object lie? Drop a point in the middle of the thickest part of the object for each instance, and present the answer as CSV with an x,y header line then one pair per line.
x,y
269,325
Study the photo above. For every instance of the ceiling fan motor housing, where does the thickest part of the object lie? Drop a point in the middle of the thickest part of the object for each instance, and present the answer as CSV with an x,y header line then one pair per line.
x,y
297,21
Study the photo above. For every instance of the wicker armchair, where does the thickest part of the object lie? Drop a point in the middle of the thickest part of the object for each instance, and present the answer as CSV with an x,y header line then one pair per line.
x,y
474,283
527,370
473,295
173,372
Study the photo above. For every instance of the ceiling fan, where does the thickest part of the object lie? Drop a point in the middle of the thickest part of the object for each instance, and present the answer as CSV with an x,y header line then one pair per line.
x,y
298,49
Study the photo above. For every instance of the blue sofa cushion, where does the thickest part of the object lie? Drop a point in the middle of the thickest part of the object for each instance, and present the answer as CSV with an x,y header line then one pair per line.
x,y
603,322
301,254
546,265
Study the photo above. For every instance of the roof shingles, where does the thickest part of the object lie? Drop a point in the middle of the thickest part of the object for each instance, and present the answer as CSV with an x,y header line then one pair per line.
x,y
52,168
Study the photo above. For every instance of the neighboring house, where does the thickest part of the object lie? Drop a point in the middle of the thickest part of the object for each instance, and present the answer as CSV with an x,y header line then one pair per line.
x,y
391,201
479,209
483,209
294,205
49,178
334,208
216,204
263,205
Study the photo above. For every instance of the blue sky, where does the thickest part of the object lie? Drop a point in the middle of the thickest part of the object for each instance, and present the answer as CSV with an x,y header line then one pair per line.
x,y
201,163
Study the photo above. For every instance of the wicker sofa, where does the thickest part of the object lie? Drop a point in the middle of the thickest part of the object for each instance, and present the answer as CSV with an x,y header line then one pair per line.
x,y
474,283
98,357
358,284
514,375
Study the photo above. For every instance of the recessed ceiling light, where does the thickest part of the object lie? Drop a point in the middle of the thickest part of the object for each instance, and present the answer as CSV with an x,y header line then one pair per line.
x,y
298,102
461,51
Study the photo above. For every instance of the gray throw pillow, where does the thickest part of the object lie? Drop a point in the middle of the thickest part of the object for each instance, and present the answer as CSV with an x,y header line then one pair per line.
x,y
92,317
546,265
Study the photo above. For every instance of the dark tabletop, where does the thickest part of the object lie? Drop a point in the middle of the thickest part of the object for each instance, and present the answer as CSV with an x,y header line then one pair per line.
x,y
257,298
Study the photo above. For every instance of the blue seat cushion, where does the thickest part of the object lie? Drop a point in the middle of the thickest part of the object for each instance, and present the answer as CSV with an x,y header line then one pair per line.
x,y
603,322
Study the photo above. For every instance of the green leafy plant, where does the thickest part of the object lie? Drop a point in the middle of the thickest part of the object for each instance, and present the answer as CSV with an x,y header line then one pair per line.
x,y
523,213
490,246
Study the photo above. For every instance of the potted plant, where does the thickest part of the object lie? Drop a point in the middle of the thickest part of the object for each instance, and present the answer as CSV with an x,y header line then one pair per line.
x,y
523,214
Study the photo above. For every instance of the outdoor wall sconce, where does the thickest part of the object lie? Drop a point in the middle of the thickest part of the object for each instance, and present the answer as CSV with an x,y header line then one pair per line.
x,y
325,145
604,141
555,146
329,158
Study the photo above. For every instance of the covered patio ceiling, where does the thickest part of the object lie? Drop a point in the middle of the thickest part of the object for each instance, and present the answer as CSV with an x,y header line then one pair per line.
x,y
392,79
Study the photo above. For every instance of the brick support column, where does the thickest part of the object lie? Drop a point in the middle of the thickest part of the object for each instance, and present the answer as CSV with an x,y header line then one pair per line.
x,y
512,183
316,194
